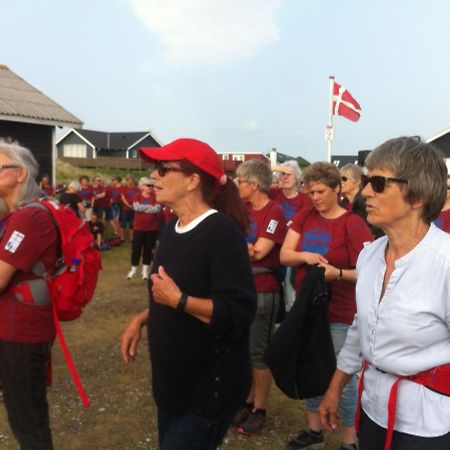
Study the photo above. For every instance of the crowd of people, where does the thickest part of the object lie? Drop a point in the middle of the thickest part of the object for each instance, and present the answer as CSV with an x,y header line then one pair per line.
x,y
233,259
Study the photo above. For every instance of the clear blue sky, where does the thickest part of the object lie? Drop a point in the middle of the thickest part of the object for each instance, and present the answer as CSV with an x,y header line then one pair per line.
x,y
239,74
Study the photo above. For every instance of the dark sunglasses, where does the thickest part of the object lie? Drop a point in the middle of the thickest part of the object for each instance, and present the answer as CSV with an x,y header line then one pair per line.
x,y
162,169
378,182
344,179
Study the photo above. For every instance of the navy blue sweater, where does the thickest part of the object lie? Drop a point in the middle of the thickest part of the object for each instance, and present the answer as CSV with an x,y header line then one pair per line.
x,y
197,367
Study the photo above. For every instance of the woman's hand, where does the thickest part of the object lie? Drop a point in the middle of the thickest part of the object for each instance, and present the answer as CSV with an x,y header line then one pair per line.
x,y
164,289
130,338
314,258
251,250
328,410
331,272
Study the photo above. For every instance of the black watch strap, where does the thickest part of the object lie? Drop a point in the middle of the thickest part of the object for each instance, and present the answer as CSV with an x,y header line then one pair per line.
x,y
182,302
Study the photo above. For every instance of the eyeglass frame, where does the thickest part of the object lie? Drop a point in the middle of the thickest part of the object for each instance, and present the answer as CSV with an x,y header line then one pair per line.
x,y
162,170
238,181
9,166
365,180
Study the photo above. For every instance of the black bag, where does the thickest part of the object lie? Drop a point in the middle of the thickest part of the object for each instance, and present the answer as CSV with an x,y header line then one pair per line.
x,y
301,353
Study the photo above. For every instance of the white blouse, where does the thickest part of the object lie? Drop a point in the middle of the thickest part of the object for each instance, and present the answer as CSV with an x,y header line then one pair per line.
x,y
408,331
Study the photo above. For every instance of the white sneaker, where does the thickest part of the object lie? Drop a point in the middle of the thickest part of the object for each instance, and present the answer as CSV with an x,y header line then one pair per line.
x,y
132,272
144,272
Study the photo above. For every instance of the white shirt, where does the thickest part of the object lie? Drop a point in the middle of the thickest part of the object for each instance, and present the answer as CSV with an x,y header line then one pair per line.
x,y
408,331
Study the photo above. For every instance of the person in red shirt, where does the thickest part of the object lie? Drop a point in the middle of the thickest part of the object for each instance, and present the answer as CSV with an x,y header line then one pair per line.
x,y
332,237
443,221
46,187
147,216
127,214
28,248
291,199
264,238
115,207
99,200
86,195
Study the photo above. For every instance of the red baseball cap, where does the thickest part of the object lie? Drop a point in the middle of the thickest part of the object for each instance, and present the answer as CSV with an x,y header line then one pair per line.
x,y
197,152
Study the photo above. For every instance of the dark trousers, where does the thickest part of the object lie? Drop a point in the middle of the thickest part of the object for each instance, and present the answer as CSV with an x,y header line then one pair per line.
x,y
23,374
192,432
372,437
143,243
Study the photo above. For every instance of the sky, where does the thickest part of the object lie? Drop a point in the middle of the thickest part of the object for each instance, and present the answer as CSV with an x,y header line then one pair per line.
x,y
242,75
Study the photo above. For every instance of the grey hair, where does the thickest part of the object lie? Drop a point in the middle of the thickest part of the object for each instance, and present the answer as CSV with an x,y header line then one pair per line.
x,y
353,171
258,172
421,164
145,180
29,189
293,164
75,185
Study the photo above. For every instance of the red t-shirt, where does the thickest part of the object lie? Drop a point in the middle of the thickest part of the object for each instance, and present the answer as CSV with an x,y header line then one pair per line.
x,y
28,235
129,194
48,190
443,221
290,206
116,191
268,223
86,195
100,202
340,241
145,221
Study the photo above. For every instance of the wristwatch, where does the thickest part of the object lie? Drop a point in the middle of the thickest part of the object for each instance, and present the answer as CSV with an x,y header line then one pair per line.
x,y
339,278
182,302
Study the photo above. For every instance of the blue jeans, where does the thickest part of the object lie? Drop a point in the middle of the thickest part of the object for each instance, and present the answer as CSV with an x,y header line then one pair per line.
x,y
192,432
23,374
349,397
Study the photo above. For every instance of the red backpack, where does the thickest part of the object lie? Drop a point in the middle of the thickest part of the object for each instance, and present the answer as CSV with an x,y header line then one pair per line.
x,y
73,284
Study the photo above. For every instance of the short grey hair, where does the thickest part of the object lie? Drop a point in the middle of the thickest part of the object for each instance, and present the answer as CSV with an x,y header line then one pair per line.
x,y
258,172
75,185
421,164
23,157
297,172
353,171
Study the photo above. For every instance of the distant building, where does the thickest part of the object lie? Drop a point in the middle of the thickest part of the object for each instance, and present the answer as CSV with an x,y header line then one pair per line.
x,y
442,142
231,160
97,144
30,117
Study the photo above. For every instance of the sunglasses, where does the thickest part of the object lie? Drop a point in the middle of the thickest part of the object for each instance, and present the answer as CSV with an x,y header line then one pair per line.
x,y
344,179
378,183
162,169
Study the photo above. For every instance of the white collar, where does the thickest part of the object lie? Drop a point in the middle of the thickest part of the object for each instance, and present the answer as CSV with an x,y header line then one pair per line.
x,y
193,223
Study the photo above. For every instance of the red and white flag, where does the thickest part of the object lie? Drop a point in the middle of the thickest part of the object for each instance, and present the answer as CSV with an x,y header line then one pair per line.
x,y
344,104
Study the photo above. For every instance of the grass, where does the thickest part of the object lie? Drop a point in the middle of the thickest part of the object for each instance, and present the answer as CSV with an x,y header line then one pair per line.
x,y
66,172
122,415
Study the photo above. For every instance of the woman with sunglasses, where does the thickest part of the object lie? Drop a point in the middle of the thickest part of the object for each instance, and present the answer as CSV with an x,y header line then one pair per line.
x,y
401,333
332,237
147,215
28,248
202,299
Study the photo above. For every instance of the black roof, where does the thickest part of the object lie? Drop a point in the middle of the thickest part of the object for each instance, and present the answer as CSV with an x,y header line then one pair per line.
x,y
113,140
283,158
342,160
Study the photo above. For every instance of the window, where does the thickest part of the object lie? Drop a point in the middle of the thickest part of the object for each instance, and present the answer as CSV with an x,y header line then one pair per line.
x,y
225,157
75,150
238,158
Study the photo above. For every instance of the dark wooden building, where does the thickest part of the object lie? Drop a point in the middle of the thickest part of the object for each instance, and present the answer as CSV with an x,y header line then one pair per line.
x,y
442,142
30,117
97,144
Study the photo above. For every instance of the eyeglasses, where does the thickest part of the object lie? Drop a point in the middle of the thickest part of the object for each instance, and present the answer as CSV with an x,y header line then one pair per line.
x,y
378,182
9,166
162,169
344,179
148,185
238,181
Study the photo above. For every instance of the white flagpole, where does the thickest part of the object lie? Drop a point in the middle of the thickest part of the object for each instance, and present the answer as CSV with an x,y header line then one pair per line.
x,y
330,130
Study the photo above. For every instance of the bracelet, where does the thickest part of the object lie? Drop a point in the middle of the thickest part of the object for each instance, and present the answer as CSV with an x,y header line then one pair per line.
x,y
339,278
182,302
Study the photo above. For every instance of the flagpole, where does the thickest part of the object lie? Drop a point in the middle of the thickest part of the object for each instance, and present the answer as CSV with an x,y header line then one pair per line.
x,y
330,130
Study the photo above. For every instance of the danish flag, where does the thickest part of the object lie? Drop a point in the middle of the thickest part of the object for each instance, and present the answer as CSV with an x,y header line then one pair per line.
x,y
344,104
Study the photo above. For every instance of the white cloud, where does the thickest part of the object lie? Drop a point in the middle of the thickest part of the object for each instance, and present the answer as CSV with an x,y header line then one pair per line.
x,y
209,31
251,125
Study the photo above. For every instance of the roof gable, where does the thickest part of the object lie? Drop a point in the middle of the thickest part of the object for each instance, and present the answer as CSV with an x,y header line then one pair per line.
x,y
21,102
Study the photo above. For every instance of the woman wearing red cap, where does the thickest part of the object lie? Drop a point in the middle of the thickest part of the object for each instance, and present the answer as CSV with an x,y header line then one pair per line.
x,y
202,300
